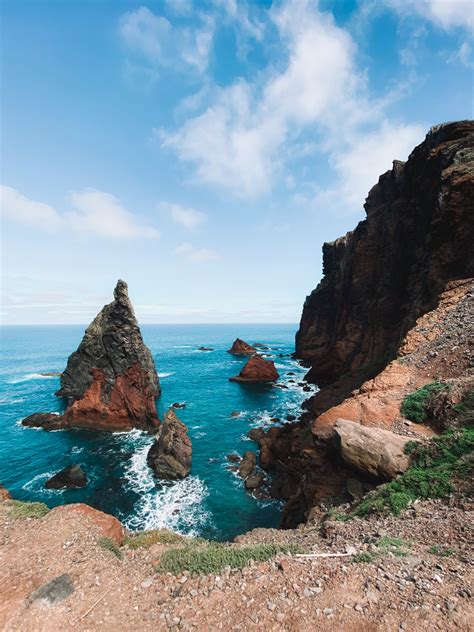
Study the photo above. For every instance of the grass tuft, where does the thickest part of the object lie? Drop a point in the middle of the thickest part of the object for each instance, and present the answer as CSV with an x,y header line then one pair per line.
x,y
145,539
414,405
108,544
441,551
20,509
396,546
214,556
364,557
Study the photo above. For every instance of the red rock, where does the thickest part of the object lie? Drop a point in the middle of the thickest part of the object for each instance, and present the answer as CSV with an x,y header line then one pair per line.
x,y
110,382
4,494
257,370
240,347
109,526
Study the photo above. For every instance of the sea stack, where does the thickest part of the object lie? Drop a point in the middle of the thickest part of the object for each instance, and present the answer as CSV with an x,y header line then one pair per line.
x,y
257,370
170,457
240,347
110,382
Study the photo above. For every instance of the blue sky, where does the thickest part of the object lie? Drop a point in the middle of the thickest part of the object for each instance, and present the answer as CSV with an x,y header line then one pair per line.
x,y
204,151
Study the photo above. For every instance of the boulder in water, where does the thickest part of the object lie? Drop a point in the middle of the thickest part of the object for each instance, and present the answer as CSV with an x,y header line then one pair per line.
x,y
240,347
257,370
170,457
72,476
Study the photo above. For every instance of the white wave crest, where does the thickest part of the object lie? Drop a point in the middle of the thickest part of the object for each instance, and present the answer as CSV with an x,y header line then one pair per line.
x,y
176,505
31,376
165,374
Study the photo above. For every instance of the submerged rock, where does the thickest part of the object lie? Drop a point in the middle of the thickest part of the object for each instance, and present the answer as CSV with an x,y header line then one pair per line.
x,y
257,370
240,347
205,349
170,457
72,476
110,382
372,450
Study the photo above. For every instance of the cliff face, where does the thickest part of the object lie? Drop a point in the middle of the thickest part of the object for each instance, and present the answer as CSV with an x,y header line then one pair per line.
x,y
110,382
392,268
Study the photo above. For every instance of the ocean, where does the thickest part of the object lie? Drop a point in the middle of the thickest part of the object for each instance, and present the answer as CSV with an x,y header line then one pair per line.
x,y
211,502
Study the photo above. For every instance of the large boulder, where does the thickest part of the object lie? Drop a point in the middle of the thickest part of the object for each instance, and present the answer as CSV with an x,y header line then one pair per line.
x,y
170,457
110,382
257,370
240,347
72,476
248,464
371,450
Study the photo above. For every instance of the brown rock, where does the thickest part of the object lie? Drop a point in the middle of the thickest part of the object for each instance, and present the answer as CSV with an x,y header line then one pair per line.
x,y
71,477
240,347
170,457
257,370
4,494
108,525
248,464
372,450
254,481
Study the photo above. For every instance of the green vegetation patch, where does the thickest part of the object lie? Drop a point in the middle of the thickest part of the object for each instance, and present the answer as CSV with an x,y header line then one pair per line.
x,y
364,557
441,551
20,509
414,405
145,539
108,544
214,556
396,546
430,476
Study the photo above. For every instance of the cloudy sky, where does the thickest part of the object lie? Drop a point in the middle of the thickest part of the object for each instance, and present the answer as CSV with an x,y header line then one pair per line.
x,y
204,151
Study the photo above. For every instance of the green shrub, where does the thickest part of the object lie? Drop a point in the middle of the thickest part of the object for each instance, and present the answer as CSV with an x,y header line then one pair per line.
x,y
441,551
20,509
214,556
145,539
430,476
396,546
413,406
365,557
108,544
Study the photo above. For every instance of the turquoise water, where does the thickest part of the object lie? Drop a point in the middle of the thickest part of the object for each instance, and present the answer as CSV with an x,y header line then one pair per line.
x,y
211,501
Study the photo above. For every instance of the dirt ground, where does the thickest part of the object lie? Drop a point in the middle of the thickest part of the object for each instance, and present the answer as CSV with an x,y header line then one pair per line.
x,y
407,588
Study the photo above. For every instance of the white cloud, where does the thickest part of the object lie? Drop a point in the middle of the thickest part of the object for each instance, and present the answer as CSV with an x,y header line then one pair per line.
x,y
244,138
17,207
359,164
188,217
447,14
155,39
94,213
191,253
102,214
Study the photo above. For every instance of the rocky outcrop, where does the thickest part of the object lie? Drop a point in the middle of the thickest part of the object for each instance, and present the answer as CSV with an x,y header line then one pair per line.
x,y
392,313
372,451
240,347
72,476
104,524
170,457
110,382
257,370
393,267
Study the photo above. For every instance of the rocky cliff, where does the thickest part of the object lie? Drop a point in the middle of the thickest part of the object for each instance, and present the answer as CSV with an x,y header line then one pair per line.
x,y
110,382
392,313
392,268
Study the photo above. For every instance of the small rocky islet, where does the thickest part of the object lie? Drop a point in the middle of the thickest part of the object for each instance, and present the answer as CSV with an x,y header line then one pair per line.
x,y
377,496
